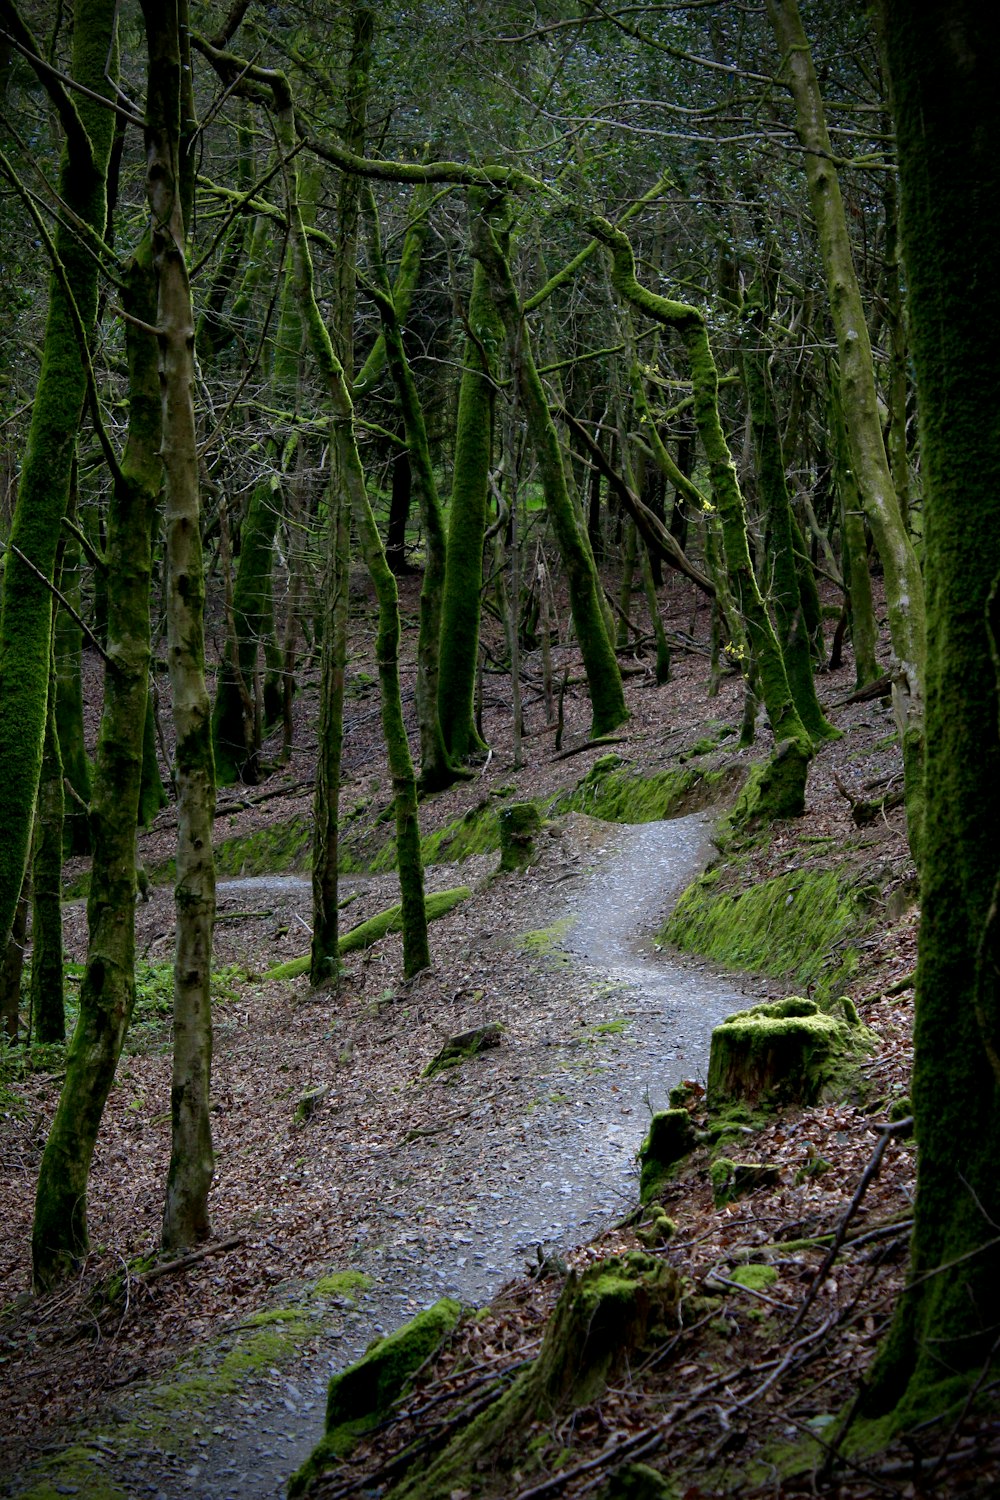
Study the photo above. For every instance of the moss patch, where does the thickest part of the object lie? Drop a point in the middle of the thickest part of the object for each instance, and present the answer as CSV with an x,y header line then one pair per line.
x,y
793,926
622,796
546,942
341,1284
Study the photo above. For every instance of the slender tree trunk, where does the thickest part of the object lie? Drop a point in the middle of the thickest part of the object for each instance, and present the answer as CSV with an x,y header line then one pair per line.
x,y
463,579
607,697
903,584
168,168
12,970
436,767
782,792
47,993
789,612
107,991
43,490
416,954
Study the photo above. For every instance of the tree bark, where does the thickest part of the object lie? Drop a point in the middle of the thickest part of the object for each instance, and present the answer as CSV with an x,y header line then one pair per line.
x,y
942,62
43,490
904,588
168,168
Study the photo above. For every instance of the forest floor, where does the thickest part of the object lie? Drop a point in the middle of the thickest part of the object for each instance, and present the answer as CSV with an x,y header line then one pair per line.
x,y
304,1262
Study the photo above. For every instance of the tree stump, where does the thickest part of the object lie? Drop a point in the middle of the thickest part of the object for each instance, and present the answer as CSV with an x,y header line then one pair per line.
x,y
787,1052
518,823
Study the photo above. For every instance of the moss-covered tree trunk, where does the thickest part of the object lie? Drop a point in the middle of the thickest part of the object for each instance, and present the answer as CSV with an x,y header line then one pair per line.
x,y
416,954
169,168
782,792
436,768
44,486
904,589
69,698
12,971
463,580
942,62
854,560
785,594
47,992
607,696
107,990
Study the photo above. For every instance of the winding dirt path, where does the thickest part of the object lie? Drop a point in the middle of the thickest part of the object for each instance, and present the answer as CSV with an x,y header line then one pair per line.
x,y
549,1173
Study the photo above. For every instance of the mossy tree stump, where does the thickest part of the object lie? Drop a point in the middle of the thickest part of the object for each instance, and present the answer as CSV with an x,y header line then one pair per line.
x,y
518,824
789,1051
671,1137
361,1396
617,1306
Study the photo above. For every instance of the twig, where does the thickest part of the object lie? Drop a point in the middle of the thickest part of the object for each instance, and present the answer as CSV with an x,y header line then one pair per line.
x,y
900,1127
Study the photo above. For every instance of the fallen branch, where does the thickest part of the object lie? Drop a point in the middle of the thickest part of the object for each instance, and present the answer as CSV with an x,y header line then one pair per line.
x,y
182,1262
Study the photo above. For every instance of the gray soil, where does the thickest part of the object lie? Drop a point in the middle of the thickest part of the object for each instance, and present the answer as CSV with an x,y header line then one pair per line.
x,y
538,1160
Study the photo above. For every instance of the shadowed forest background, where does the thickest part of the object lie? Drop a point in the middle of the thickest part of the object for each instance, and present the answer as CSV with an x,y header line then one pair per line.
x,y
498,367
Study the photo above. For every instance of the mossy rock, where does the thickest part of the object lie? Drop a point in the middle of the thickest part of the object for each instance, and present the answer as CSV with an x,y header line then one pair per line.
x,y
789,1051
671,1137
621,796
465,1045
360,1397
775,788
518,824
796,926
639,1482
736,1179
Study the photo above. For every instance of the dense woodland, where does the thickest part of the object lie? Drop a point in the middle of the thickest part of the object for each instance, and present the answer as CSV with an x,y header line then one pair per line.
x,y
538,309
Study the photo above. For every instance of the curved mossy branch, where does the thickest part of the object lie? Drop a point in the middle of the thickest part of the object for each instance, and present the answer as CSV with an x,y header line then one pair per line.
x,y
107,991
607,696
904,589
463,581
403,286
786,600
436,768
43,489
792,740
416,954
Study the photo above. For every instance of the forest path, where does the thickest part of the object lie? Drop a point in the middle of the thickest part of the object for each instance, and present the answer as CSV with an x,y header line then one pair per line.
x,y
552,1163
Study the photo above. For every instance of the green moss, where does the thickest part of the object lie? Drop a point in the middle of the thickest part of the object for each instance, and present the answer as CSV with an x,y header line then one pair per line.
x,y
546,942
670,1139
735,1179
360,1396
366,933
341,1284
622,796
793,926
754,1278
519,823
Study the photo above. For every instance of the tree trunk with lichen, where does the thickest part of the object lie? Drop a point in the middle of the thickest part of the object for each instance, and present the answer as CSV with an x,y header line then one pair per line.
x,y
44,485
780,789
904,589
942,66
463,579
437,770
107,990
416,954
169,168
785,593
607,696
48,1006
